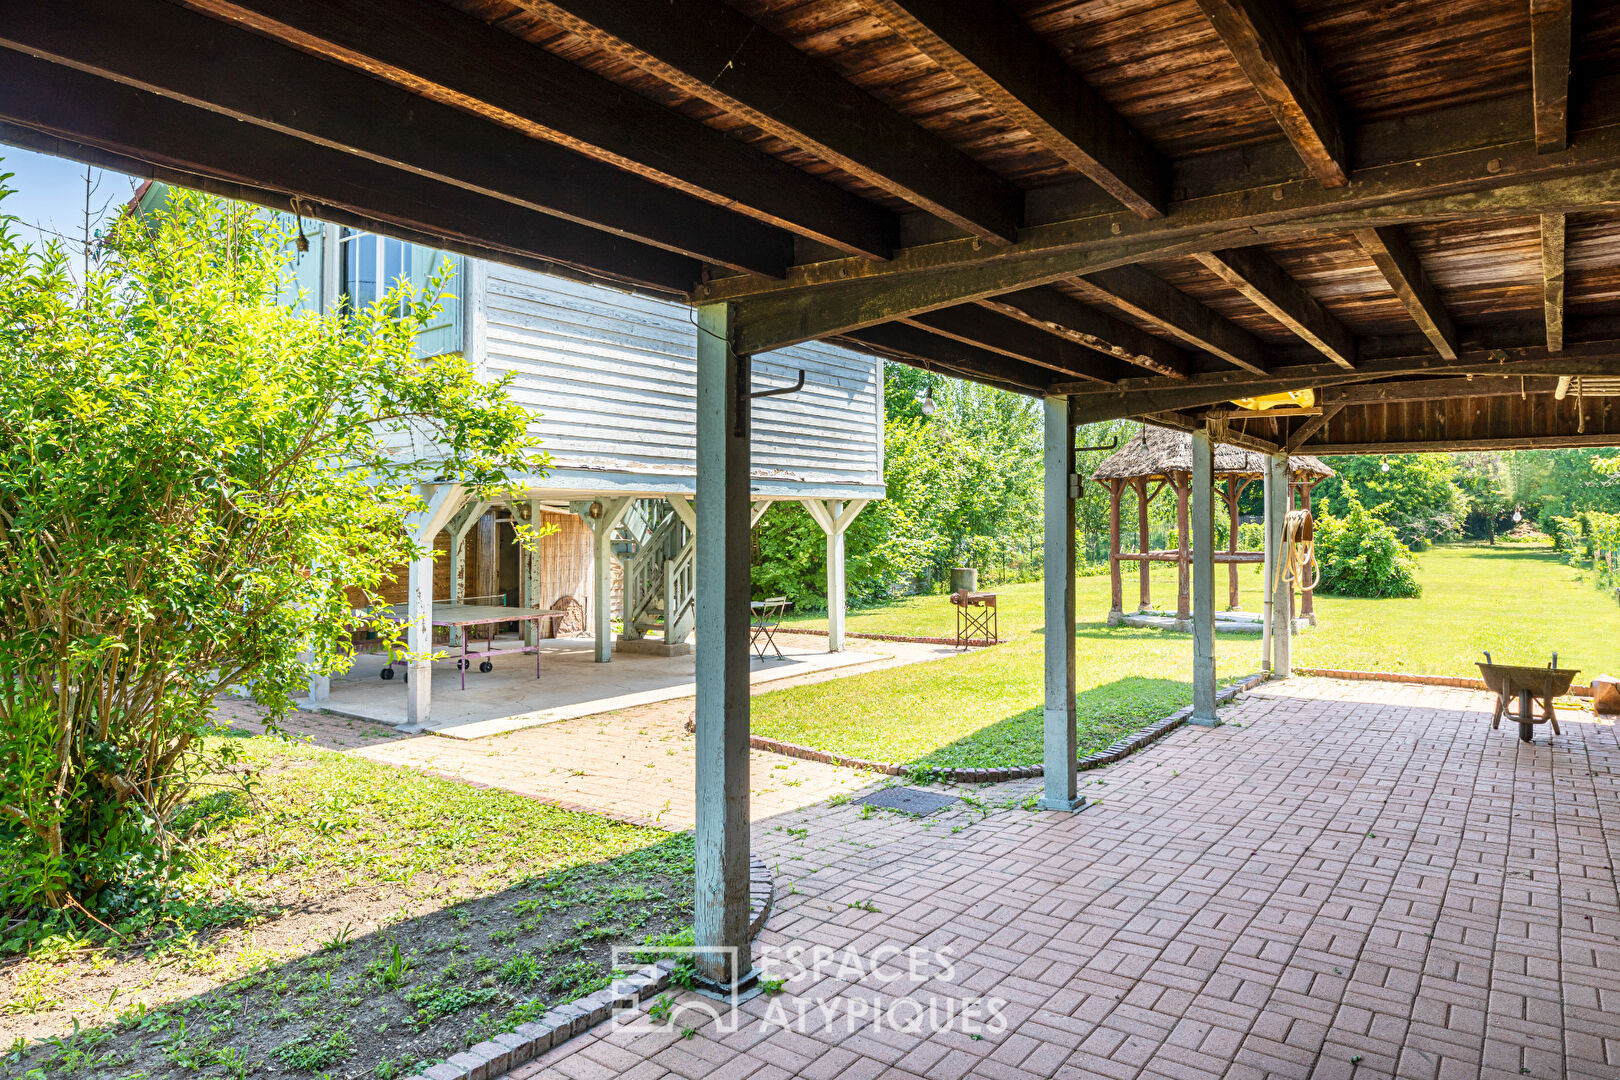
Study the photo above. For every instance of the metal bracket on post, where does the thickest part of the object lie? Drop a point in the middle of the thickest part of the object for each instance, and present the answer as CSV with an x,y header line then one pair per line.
x,y
745,397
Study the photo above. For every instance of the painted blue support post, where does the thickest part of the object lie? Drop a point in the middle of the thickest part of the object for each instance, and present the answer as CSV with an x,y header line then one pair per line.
x,y
1062,736
1203,578
1278,593
721,918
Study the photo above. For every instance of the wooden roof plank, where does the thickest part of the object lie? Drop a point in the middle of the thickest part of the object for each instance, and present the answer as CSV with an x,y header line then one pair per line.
x,y
167,50
1550,36
1392,253
988,48
1153,300
1267,45
106,116
1053,312
1552,278
1265,284
718,55
1017,340
452,58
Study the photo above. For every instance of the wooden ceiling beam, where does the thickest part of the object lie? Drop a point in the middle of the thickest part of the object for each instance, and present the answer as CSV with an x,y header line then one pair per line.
x,y
1264,283
1266,43
991,51
716,54
1150,298
1552,278
1310,427
1549,71
167,50
1439,389
1018,340
930,351
118,120
1398,264
445,56
1054,312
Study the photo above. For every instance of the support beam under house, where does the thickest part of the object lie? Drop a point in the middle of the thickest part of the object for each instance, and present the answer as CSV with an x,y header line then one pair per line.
x,y
1203,578
1061,721
834,516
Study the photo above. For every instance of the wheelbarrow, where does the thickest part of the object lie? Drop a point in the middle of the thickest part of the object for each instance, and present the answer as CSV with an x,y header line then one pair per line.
x,y
1528,684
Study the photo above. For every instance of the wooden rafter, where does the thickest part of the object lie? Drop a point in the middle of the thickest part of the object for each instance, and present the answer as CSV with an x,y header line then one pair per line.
x,y
1267,45
718,55
1552,278
1311,427
167,50
990,50
1405,390
1549,71
1018,340
121,121
1055,313
1398,263
1264,283
442,55
1151,299
938,353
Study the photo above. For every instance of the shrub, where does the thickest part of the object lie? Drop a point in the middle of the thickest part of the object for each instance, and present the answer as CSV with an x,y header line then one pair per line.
x,y
192,474
1251,536
1361,555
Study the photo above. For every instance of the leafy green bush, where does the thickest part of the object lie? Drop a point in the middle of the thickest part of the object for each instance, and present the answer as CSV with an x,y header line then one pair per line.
x,y
1360,554
192,477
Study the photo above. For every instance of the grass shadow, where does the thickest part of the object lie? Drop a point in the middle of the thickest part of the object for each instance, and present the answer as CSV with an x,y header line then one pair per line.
x,y
390,1002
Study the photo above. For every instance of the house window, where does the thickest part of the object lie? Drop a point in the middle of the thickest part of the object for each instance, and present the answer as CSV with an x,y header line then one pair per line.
x,y
371,265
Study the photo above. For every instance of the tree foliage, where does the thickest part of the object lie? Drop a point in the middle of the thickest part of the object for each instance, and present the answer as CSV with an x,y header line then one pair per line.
x,y
192,475
1416,494
1360,554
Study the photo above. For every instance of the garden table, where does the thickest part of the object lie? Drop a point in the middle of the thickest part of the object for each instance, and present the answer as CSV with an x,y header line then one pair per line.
x,y
465,616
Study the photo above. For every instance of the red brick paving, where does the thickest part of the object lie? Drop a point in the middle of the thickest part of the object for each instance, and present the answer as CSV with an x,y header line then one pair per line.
x,y
1349,879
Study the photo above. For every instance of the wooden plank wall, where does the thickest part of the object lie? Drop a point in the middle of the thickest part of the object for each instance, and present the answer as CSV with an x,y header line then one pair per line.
x,y
611,379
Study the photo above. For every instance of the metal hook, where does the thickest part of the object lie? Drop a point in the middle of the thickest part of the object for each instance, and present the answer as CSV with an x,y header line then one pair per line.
x,y
778,391
1109,445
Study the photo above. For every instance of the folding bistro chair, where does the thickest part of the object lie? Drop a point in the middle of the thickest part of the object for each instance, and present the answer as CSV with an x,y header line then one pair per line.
x,y
766,620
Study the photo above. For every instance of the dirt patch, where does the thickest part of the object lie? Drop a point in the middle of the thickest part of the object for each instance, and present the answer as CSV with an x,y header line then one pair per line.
x,y
367,921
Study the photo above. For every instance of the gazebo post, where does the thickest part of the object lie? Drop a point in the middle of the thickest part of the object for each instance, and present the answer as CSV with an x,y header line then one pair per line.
x,y
1142,565
1116,586
1202,483
1183,483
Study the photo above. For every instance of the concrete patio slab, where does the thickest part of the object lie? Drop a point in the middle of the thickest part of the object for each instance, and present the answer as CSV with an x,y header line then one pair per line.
x,y
572,684
1344,880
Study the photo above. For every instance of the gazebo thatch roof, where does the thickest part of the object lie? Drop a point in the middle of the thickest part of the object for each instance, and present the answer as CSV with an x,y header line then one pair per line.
x,y
1157,452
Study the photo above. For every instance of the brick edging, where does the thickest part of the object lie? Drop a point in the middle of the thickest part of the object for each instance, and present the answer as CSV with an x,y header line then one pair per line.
x,y
495,1057
1458,681
1107,756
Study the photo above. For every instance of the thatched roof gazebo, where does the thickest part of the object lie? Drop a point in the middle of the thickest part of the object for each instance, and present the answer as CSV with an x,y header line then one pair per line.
x,y
1156,458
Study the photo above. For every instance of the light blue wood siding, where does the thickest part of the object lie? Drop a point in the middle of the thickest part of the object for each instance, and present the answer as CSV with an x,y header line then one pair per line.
x,y
611,379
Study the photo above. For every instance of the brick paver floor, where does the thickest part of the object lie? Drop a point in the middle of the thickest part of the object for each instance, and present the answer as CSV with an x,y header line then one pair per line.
x,y
1348,879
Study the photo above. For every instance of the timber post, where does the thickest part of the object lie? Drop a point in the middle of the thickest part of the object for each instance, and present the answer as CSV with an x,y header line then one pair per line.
x,y
1115,585
1061,741
1202,482
1182,482
1142,539
1278,593
720,920
1234,491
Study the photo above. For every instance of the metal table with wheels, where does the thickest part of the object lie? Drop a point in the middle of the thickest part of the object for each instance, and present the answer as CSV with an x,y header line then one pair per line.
x,y
462,617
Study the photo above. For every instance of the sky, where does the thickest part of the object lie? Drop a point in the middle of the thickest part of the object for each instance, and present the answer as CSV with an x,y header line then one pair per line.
x,y
49,195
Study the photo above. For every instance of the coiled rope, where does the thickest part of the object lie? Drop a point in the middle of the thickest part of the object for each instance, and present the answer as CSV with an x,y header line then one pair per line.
x,y
1299,533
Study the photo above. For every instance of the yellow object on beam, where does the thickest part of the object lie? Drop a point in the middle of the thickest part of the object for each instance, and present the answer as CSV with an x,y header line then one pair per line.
x,y
1302,398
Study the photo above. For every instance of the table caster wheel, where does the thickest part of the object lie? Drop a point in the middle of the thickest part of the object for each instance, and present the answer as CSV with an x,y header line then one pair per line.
x,y
388,672
486,667
462,665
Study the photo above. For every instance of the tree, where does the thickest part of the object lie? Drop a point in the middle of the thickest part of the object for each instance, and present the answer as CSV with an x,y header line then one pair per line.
x,y
1360,554
1487,482
1416,494
192,478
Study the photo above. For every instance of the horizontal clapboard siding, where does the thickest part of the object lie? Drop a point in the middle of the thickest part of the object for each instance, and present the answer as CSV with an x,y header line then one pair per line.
x,y
611,380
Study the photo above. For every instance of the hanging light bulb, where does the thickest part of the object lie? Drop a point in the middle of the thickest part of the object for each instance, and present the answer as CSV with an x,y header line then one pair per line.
x,y
925,400
1383,466
1517,517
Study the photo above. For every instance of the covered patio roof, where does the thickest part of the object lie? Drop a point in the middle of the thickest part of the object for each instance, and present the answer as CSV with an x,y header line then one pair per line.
x,y
1149,208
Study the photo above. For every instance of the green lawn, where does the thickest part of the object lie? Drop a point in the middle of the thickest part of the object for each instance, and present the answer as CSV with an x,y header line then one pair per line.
x,y
984,709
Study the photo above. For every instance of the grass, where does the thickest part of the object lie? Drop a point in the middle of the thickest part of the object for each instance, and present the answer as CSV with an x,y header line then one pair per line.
x,y
380,921
983,709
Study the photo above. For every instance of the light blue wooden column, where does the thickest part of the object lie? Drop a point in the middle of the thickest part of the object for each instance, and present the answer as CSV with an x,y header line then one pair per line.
x,y
1062,738
1203,578
721,916
1278,632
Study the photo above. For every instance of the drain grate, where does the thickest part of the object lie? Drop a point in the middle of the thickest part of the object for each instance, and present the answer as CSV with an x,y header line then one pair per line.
x,y
909,800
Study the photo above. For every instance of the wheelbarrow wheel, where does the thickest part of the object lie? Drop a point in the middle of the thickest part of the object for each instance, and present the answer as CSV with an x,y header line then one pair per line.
x,y
388,672
486,667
